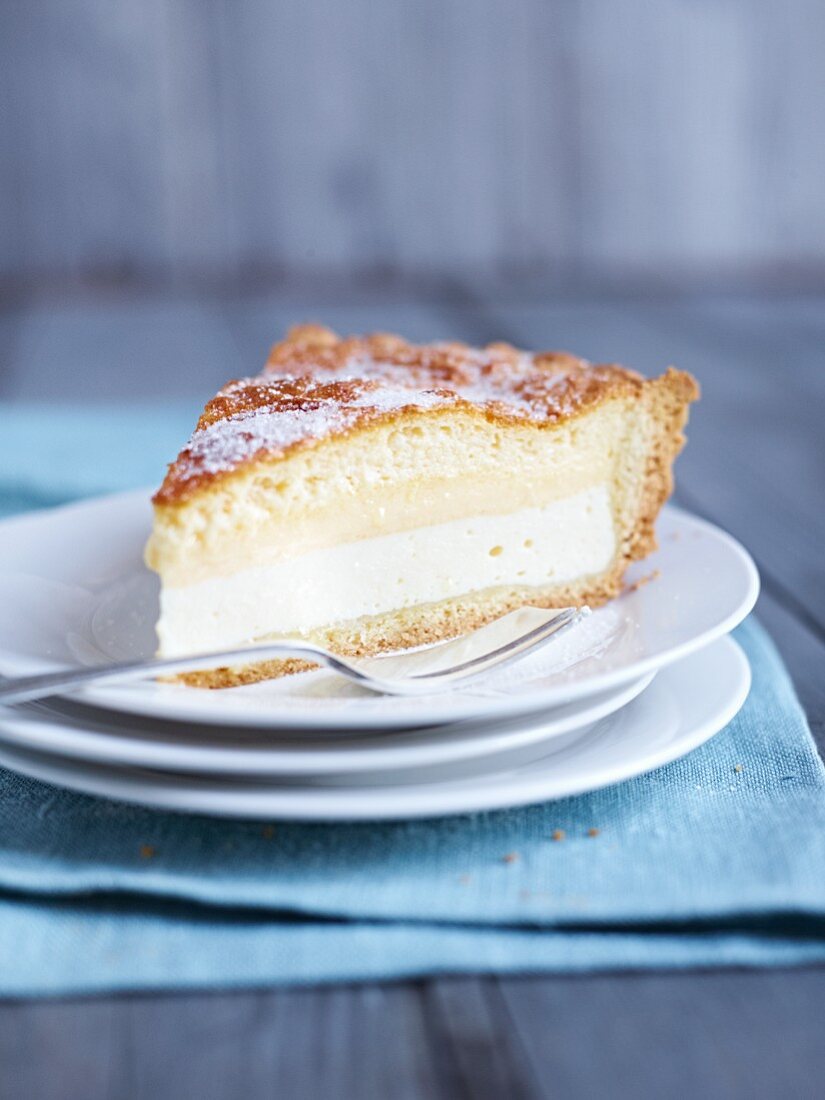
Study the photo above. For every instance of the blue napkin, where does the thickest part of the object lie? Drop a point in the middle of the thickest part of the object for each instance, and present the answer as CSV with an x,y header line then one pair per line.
x,y
716,859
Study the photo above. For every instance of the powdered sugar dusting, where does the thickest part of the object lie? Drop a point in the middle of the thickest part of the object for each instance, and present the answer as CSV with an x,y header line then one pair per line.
x,y
316,385
390,398
227,442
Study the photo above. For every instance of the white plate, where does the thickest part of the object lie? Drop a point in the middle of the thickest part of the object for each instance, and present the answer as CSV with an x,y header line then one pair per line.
x,y
84,734
74,591
684,706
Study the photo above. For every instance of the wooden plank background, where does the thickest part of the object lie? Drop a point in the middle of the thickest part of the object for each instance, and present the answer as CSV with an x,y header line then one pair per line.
x,y
582,140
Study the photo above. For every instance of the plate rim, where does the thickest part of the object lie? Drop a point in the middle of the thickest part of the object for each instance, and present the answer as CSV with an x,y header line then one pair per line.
x,y
30,764
16,730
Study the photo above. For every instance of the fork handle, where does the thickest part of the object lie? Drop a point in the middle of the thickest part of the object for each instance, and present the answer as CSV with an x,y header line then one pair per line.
x,y
28,688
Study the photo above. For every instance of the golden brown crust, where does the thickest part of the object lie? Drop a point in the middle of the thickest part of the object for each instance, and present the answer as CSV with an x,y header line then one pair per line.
x,y
669,399
316,385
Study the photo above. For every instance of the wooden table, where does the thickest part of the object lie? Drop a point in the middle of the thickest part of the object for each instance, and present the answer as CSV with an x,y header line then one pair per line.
x,y
755,463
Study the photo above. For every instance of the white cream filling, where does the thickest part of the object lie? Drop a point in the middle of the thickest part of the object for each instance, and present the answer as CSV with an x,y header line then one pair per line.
x,y
557,543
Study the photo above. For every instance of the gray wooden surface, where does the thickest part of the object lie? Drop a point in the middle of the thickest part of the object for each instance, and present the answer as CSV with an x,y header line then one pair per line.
x,y
755,462
581,138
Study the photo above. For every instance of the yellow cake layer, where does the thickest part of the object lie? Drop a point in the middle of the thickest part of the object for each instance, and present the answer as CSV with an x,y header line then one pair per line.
x,y
422,471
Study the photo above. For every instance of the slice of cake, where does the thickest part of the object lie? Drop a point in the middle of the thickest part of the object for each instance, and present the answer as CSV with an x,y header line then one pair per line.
x,y
369,494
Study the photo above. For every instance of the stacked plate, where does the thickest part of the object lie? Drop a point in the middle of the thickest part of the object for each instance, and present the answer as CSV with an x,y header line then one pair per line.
x,y
637,684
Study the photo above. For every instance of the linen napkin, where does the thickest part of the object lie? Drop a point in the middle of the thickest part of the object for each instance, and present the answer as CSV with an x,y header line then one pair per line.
x,y
716,859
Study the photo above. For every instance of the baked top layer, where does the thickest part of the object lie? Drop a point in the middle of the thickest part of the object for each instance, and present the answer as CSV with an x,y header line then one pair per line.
x,y
316,385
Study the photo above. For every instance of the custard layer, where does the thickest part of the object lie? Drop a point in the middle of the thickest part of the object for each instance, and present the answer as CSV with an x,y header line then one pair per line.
x,y
556,543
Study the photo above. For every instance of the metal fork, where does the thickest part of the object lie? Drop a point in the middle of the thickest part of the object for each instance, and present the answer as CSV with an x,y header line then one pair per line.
x,y
437,668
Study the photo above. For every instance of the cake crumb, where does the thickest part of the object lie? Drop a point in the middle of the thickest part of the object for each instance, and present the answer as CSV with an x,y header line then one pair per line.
x,y
511,857
147,851
737,767
592,832
642,581
558,834
268,832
